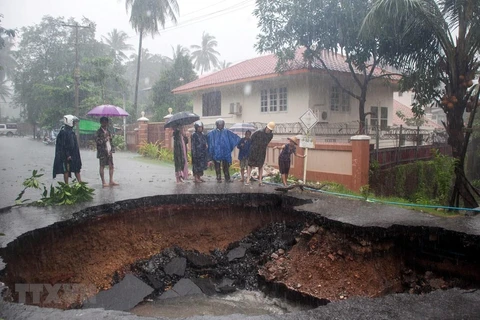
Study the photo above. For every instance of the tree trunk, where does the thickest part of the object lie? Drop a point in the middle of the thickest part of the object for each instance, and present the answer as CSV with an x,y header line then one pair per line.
x,y
138,73
458,141
361,110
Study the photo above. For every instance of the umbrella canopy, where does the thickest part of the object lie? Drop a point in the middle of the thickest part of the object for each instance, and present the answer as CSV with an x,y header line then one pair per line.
x,y
107,110
241,128
181,119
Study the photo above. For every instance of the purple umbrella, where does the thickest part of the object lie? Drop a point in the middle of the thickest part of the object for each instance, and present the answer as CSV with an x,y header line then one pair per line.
x,y
107,110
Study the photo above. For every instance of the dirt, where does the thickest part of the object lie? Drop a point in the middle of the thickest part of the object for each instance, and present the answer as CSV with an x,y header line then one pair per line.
x,y
327,264
330,266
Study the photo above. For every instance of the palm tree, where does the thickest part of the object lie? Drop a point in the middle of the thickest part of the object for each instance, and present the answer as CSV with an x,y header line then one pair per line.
x,y
116,40
435,44
179,51
5,90
205,56
224,65
7,61
146,15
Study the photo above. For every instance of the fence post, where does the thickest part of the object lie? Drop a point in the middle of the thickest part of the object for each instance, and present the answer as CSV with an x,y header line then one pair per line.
x,y
360,161
400,137
417,140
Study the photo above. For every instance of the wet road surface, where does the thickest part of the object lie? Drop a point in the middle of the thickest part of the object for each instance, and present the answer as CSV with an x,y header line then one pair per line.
x,y
140,178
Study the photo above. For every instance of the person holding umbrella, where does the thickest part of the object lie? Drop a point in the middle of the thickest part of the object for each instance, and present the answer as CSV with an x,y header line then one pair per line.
x,y
199,152
221,143
105,151
67,153
180,159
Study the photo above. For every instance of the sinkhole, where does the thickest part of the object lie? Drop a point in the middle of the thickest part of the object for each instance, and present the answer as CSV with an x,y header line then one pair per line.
x,y
224,254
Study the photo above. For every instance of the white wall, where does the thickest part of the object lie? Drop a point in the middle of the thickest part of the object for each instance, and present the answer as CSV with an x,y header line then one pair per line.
x,y
304,91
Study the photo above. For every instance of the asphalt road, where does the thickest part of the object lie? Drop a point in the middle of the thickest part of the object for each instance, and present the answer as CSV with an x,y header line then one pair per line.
x,y
140,178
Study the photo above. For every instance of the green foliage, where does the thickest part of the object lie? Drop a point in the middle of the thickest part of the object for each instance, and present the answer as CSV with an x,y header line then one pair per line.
x,y
179,73
149,150
119,142
165,154
45,87
365,191
63,194
423,182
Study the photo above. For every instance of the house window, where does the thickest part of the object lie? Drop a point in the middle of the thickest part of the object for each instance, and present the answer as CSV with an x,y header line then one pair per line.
x,y
282,99
339,100
264,101
377,118
273,100
212,104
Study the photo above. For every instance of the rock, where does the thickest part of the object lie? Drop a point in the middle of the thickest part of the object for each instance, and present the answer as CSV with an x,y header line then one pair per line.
x,y
226,286
313,229
206,285
274,256
176,267
123,296
331,256
184,287
200,260
437,283
237,253
281,251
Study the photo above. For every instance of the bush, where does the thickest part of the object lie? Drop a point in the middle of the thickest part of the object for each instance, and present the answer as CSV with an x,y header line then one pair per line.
x,y
149,150
426,182
119,142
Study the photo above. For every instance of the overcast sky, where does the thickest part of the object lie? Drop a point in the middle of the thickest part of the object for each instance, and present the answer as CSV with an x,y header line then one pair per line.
x,y
230,21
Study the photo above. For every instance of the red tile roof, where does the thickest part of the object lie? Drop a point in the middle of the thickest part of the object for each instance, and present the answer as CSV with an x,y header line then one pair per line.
x,y
407,112
264,67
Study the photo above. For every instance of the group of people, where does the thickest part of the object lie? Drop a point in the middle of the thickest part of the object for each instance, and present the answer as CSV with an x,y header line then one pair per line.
x,y
67,152
216,148
213,148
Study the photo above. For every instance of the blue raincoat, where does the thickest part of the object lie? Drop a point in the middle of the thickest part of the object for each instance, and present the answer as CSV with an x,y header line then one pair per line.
x,y
221,144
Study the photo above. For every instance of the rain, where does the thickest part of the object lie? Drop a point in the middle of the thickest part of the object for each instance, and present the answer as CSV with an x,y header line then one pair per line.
x,y
130,188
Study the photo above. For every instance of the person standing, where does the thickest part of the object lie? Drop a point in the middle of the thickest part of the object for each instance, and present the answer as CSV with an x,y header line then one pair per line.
x,y
180,159
258,150
284,158
244,147
221,143
67,152
199,152
105,151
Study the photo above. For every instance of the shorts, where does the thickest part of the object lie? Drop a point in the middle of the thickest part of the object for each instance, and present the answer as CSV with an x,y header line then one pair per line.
x,y
106,161
243,163
284,167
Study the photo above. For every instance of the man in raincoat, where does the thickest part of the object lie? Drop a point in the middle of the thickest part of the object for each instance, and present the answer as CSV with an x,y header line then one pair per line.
x,y
221,143
67,153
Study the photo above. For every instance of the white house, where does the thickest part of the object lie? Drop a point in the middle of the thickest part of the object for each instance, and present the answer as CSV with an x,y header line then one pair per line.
x,y
252,91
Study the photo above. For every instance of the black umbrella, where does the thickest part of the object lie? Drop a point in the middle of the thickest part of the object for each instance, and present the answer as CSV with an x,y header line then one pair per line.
x,y
181,119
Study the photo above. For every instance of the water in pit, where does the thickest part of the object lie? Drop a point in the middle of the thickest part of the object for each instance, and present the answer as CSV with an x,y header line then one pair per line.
x,y
240,302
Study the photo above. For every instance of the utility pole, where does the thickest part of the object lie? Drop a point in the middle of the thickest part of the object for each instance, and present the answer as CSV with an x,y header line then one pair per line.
x,y
76,73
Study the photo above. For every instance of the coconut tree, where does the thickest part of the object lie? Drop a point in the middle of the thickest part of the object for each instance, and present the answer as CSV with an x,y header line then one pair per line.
x,y
224,65
5,90
179,51
205,56
146,17
116,40
435,43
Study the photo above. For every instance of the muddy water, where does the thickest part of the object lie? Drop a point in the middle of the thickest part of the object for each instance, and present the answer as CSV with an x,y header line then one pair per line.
x,y
241,302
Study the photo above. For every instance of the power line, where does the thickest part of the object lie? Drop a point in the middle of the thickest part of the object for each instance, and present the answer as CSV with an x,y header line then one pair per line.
x,y
215,14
